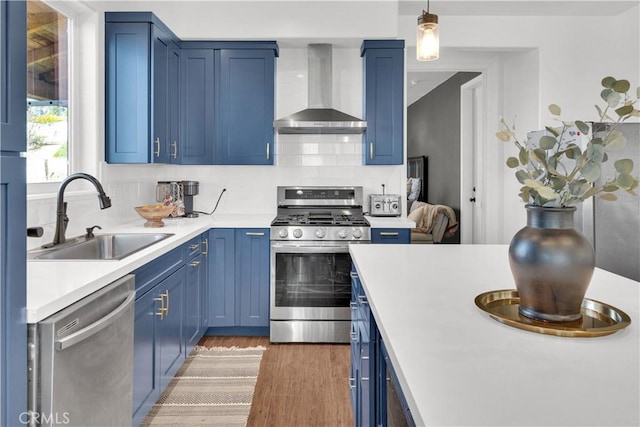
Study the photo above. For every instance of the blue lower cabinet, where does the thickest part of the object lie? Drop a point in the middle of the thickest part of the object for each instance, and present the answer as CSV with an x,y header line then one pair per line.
x,y
169,312
391,235
196,277
221,283
239,281
376,396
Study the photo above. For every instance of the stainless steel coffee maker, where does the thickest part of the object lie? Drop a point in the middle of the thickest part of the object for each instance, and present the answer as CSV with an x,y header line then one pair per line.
x,y
180,194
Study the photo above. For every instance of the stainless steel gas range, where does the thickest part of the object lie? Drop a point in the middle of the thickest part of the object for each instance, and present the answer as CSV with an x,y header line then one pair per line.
x,y
310,262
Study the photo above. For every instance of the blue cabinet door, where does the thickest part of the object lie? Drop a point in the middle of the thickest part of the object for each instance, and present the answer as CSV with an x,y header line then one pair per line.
x,y
170,344
204,288
13,82
196,143
221,271
246,107
13,329
383,102
160,101
127,61
146,379
252,269
193,308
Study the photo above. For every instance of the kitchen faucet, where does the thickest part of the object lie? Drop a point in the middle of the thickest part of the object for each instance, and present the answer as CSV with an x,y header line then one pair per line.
x,y
61,210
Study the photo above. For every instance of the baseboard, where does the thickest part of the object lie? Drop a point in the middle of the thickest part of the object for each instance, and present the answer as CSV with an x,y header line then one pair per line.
x,y
240,331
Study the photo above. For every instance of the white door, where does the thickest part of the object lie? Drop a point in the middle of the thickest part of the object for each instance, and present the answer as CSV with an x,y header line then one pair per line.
x,y
472,148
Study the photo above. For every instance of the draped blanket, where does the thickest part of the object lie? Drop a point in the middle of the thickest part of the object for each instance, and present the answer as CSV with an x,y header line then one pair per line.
x,y
425,217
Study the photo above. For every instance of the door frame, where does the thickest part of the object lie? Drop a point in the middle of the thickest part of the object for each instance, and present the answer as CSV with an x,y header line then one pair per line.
x,y
472,158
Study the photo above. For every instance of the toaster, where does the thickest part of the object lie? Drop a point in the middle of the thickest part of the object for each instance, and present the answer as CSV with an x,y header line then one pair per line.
x,y
384,205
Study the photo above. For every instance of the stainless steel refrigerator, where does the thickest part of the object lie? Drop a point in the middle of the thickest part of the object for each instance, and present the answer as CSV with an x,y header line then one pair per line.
x,y
614,227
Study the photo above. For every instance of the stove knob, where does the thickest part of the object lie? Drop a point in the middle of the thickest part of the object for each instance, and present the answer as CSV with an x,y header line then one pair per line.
x,y
283,233
320,233
378,205
357,233
297,233
394,206
342,234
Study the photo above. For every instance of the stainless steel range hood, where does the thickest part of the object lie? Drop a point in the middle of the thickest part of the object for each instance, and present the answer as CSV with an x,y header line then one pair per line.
x,y
320,118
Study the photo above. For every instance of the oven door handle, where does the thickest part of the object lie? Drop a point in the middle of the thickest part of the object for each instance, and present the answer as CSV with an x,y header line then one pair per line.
x,y
308,249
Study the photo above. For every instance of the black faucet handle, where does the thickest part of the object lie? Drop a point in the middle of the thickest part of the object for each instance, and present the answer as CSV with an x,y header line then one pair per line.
x,y
90,234
35,231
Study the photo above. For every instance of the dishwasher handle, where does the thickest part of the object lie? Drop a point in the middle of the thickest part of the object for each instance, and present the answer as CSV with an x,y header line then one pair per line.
x,y
84,333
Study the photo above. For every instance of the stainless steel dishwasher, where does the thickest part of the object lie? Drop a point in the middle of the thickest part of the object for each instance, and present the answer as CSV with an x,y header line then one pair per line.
x,y
81,361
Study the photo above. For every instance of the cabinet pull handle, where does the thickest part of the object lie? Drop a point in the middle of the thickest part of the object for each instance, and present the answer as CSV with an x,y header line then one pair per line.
x,y
174,154
160,313
166,294
195,263
363,299
254,233
206,247
157,151
268,151
352,383
371,150
193,247
389,233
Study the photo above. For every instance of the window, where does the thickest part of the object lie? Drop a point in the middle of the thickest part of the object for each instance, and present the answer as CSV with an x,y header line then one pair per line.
x,y
47,93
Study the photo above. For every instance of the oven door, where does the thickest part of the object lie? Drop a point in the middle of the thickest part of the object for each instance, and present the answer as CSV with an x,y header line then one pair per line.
x,y
310,281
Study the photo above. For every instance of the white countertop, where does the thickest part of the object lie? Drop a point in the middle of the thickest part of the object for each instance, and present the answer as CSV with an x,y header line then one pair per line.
x,y
457,366
390,222
54,285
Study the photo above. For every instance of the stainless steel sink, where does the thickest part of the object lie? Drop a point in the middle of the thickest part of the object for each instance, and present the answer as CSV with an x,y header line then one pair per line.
x,y
103,247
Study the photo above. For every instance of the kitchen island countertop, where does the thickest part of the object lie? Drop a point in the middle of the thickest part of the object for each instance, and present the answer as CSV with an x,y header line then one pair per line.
x,y
457,366
54,285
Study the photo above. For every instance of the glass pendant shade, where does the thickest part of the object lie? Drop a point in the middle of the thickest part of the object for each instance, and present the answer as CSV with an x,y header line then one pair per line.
x,y
428,37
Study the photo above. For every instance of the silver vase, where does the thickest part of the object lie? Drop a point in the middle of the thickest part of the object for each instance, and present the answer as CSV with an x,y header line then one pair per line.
x,y
552,264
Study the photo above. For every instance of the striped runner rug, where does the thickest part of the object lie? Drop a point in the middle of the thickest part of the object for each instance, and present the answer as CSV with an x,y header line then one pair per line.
x,y
214,387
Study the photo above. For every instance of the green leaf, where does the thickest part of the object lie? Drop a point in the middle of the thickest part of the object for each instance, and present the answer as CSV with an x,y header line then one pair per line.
x,y
591,171
521,176
595,153
621,86
553,131
582,127
523,156
608,82
605,94
613,99
512,162
610,197
589,193
547,142
555,109
616,141
547,192
539,155
623,166
624,110
625,181
558,183
503,136
610,188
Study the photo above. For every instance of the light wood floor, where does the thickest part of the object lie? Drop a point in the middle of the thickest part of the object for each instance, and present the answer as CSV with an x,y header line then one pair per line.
x,y
298,384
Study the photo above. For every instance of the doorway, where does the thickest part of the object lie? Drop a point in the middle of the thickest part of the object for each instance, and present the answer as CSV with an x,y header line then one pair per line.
x,y
472,149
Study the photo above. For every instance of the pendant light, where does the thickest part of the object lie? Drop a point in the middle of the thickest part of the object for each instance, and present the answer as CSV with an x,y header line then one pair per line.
x,y
428,41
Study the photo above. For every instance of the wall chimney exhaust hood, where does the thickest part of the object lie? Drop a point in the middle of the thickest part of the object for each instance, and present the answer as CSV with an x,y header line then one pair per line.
x,y
320,118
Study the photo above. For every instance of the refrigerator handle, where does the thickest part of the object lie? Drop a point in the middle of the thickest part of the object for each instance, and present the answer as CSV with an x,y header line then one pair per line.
x,y
84,333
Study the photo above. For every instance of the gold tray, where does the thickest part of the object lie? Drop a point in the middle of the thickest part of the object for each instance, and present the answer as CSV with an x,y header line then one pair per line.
x,y
598,318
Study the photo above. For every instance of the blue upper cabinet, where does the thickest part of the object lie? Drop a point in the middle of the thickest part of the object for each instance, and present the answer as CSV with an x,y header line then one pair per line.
x,y
246,107
383,62
13,82
197,119
137,91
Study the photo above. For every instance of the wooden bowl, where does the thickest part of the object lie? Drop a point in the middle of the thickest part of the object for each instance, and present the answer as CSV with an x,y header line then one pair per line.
x,y
154,214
